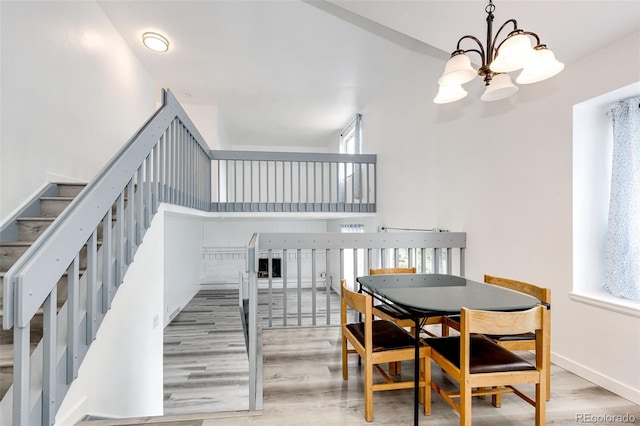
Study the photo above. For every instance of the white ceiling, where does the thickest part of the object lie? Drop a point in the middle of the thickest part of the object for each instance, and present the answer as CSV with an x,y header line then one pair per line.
x,y
292,73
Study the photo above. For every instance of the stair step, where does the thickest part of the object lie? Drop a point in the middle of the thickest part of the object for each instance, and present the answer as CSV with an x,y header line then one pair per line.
x,y
11,252
30,228
36,331
53,206
70,189
6,367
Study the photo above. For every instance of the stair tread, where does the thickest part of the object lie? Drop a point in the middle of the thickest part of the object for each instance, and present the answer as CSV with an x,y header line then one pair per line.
x,y
6,355
53,205
81,270
47,219
24,243
38,312
16,243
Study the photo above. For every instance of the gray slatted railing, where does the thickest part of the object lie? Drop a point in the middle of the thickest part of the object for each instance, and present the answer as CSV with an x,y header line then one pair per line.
x,y
293,182
319,261
165,161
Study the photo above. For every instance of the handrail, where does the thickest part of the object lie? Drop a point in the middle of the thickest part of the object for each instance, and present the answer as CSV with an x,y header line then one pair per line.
x,y
50,255
166,160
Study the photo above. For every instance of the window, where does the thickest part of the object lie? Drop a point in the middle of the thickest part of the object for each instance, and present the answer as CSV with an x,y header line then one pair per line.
x,y
622,244
351,143
592,156
350,137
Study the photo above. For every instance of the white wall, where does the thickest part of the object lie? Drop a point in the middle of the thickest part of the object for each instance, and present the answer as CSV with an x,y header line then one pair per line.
x,y
206,120
225,240
122,373
502,172
182,262
72,94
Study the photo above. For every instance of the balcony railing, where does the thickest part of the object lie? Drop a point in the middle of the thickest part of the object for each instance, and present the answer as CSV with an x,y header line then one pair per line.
x,y
249,181
325,259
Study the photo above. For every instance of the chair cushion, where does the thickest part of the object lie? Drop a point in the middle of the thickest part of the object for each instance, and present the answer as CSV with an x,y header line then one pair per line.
x,y
486,356
386,335
512,337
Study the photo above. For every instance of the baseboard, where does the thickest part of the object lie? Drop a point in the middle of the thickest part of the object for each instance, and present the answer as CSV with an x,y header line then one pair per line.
x,y
58,178
608,383
175,313
77,413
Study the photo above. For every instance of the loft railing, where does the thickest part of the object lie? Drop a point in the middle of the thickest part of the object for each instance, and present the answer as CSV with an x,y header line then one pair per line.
x,y
311,266
293,182
165,161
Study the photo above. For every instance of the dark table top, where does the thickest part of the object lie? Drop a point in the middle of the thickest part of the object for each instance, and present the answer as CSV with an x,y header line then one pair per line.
x,y
432,294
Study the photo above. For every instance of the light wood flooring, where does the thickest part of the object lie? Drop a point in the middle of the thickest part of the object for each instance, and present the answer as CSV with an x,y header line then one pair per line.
x,y
205,360
206,380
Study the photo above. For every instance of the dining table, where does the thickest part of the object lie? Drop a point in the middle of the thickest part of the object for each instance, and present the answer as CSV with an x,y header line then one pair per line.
x,y
420,296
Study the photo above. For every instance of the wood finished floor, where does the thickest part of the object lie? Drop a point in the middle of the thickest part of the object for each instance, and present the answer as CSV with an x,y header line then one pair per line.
x,y
205,360
206,380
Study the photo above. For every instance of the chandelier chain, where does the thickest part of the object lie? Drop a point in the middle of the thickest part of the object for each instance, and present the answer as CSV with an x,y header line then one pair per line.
x,y
490,7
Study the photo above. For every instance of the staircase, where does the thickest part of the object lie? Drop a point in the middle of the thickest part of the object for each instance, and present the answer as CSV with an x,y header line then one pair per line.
x,y
28,231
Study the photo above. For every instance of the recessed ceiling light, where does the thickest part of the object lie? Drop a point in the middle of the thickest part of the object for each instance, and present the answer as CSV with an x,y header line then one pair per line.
x,y
155,42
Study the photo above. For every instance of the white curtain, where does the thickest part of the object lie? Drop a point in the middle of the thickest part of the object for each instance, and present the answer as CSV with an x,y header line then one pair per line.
x,y
622,251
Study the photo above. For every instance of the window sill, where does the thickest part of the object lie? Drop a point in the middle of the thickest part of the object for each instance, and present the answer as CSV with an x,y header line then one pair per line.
x,y
604,300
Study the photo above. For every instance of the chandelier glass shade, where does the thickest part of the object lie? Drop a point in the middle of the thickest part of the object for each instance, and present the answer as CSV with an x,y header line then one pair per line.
x,y
458,70
449,93
501,87
513,53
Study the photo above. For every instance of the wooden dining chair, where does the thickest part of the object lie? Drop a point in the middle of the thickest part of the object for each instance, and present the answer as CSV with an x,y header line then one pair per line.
x,y
524,341
378,271
482,367
378,342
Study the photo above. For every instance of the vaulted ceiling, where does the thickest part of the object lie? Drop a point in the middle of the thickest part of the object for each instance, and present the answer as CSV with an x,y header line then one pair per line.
x,y
292,72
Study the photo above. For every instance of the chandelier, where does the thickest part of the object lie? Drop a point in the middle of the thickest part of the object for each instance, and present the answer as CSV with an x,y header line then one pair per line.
x,y
513,53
